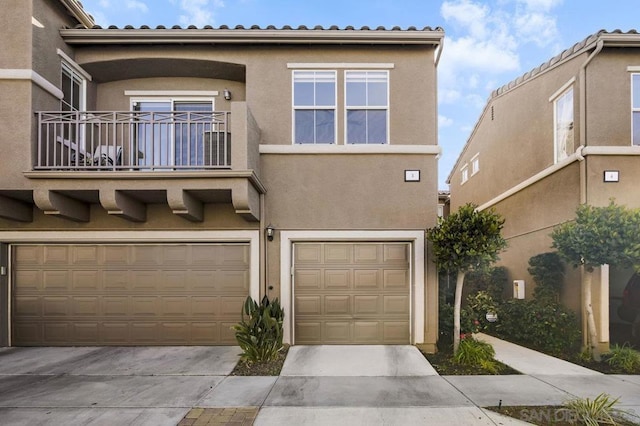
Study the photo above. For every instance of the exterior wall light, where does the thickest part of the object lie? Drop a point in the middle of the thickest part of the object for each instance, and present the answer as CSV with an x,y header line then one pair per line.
x,y
227,94
270,232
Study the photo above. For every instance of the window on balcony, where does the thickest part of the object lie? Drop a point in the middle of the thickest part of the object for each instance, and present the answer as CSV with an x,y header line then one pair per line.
x,y
73,89
367,106
635,108
563,125
178,133
314,107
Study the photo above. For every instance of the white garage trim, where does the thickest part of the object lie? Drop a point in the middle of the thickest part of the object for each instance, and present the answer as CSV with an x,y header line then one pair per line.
x,y
416,238
105,237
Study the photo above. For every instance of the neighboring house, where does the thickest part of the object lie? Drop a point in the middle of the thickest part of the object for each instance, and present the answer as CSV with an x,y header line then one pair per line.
x,y
152,178
444,204
563,134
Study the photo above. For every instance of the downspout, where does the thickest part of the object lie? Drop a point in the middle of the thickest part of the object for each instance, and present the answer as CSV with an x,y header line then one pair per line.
x,y
583,120
263,250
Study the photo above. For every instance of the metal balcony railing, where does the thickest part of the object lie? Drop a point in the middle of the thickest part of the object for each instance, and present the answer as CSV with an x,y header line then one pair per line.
x,y
133,140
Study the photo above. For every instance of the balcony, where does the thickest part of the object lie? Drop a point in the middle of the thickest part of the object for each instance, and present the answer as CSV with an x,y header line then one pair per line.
x,y
127,160
133,140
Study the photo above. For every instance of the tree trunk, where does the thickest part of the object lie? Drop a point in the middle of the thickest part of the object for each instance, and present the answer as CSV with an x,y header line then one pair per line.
x,y
592,333
456,311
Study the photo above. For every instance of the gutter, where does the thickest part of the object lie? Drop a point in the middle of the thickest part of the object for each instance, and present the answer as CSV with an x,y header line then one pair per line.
x,y
78,12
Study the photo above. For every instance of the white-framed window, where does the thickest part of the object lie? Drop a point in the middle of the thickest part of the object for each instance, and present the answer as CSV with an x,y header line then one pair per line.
x,y
475,164
464,174
563,125
74,88
314,107
635,109
367,107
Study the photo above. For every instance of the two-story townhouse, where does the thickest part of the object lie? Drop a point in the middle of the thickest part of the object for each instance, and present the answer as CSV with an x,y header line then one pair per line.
x,y
152,178
564,134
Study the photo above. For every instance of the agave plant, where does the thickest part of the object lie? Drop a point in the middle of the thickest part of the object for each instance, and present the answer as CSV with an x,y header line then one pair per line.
x,y
594,412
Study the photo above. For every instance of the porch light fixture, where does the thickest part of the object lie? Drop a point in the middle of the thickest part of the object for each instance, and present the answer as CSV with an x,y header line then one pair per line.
x,y
227,94
270,230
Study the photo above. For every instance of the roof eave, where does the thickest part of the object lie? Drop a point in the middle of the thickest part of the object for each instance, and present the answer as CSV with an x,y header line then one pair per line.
x,y
234,36
74,7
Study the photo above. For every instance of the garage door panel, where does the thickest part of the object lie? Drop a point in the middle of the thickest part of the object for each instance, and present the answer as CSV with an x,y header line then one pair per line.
x,y
128,294
55,306
53,281
85,306
351,293
366,305
367,279
394,279
27,306
337,279
84,255
56,255
337,332
115,281
308,331
337,305
86,280
308,279
396,305
367,332
116,306
308,305
395,331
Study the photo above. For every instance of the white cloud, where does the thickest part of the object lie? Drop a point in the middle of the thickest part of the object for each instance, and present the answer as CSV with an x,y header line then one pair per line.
x,y
448,95
444,121
137,6
105,3
487,56
467,14
538,28
199,12
541,5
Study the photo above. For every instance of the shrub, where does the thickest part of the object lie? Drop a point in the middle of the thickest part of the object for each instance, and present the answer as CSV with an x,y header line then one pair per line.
x,y
547,271
492,281
548,327
475,353
260,334
600,410
623,358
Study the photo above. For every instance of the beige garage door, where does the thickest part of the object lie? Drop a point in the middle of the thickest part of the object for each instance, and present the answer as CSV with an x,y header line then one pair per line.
x,y
181,294
352,293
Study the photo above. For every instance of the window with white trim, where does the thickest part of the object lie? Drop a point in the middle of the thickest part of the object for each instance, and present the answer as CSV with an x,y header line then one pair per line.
x,y
475,164
314,107
367,107
635,108
73,89
464,174
563,125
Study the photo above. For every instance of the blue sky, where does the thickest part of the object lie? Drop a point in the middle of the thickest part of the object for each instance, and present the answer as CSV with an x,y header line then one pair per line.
x,y
488,42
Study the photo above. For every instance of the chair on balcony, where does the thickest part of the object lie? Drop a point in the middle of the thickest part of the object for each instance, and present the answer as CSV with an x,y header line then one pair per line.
x,y
107,155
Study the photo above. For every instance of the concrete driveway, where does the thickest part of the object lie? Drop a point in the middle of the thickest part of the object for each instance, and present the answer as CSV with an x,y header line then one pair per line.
x,y
108,385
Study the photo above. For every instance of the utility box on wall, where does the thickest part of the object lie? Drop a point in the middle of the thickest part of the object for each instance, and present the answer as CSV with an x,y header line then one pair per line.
x,y
518,289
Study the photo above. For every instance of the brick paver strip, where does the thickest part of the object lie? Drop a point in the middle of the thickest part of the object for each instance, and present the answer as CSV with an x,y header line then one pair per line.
x,y
228,416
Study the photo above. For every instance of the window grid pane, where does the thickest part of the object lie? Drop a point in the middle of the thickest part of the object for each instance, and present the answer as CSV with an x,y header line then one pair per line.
x,y
564,125
314,103
366,100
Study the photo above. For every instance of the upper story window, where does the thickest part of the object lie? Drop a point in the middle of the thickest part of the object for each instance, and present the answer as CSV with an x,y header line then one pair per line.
x,y
635,108
563,125
73,89
367,107
314,107
464,174
475,164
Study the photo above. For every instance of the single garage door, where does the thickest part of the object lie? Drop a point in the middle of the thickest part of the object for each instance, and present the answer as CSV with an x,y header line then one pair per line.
x,y
352,293
133,294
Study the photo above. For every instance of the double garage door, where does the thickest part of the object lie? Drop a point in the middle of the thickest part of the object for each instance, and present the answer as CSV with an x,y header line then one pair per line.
x,y
133,294
352,293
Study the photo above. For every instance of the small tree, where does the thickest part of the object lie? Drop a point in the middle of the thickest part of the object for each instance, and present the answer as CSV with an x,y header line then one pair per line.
x,y
598,236
547,271
466,240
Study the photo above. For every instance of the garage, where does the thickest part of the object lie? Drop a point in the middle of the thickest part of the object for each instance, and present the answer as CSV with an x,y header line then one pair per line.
x,y
351,293
127,294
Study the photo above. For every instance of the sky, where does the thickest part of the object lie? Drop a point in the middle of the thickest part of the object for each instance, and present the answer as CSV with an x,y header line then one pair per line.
x,y
487,44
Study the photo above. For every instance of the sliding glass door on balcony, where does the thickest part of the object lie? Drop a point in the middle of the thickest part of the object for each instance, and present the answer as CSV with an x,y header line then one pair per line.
x,y
177,134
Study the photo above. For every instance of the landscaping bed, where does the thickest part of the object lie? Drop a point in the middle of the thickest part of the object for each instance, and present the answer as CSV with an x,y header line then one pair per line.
x,y
265,368
443,362
546,415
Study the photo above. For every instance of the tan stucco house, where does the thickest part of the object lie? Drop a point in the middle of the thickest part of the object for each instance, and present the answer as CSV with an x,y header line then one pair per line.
x,y
152,178
563,134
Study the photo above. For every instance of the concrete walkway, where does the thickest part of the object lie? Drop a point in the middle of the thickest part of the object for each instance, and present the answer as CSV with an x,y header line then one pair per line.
x,y
319,385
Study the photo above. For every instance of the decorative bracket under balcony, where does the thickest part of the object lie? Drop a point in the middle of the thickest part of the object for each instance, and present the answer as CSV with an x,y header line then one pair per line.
x,y
183,204
57,204
13,209
120,204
